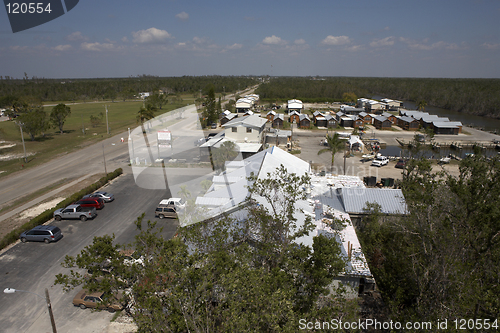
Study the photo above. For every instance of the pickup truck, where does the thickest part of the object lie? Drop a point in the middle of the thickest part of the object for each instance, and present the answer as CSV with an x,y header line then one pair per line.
x,y
75,212
380,161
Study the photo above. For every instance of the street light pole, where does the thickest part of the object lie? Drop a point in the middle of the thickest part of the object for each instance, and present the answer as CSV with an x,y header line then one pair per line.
x,y
104,157
47,299
22,138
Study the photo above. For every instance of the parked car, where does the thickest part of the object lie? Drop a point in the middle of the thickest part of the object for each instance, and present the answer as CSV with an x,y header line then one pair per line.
x,y
75,212
97,203
85,299
179,203
107,197
42,233
400,164
380,161
166,211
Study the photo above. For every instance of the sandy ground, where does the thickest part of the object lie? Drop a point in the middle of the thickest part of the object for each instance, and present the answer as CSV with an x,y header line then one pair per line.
x,y
10,224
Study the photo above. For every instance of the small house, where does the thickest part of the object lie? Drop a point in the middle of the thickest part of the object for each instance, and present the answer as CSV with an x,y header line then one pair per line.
x,y
382,123
408,123
304,121
331,122
270,115
278,120
294,117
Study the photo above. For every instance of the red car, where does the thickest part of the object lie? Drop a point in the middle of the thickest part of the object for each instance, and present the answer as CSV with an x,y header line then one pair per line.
x,y
98,203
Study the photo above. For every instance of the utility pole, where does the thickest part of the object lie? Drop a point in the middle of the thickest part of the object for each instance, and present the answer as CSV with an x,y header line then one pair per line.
x,y
132,142
22,138
104,158
107,124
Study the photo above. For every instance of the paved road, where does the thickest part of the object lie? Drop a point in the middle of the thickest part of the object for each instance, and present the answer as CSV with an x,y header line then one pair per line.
x,y
33,266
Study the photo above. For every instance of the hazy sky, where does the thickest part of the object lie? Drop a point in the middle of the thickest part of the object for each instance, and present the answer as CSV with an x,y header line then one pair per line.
x,y
111,38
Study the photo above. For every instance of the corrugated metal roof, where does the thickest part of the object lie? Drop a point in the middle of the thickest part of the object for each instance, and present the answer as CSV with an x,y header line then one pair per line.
x,y
391,201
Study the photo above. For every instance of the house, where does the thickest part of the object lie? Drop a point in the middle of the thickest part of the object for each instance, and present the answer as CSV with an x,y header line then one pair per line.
x,y
357,122
353,111
295,105
245,129
329,199
382,123
408,123
331,121
339,115
228,118
270,115
393,105
304,121
248,113
374,107
278,137
366,117
346,121
391,117
294,117
243,105
447,127
319,119
278,120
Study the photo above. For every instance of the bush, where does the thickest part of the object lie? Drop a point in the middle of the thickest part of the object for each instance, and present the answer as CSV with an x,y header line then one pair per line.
x,y
47,215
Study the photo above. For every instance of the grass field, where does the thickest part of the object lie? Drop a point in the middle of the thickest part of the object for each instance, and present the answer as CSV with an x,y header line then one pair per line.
x,y
121,115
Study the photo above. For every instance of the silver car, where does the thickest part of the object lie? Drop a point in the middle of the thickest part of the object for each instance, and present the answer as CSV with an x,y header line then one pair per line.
x,y
107,197
42,233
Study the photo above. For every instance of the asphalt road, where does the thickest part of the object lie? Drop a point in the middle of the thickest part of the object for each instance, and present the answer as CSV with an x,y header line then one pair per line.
x,y
33,266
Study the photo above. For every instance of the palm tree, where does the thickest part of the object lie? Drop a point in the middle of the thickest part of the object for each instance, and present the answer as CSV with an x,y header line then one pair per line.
x,y
335,144
145,113
421,105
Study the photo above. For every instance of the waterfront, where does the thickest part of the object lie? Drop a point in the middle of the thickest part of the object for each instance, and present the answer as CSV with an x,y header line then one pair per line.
x,y
485,123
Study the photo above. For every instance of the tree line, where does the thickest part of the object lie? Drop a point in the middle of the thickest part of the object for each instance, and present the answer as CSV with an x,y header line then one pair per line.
x,y
473,96
48,90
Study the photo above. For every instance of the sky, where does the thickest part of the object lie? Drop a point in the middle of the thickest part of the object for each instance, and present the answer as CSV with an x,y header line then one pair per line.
x,y
383,38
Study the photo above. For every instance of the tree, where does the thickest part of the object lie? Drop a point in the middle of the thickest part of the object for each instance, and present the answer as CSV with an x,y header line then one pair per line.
x,y
96,120
210,113
226,152
157,100
223,275
146,113
335,144
421,105
33,122
440,261
58,115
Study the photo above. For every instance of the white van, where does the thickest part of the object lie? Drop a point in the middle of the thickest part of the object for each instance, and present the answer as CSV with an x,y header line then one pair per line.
x,y
179,203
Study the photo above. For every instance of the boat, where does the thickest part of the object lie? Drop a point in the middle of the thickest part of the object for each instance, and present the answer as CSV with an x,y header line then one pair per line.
x,y
445,160
368,157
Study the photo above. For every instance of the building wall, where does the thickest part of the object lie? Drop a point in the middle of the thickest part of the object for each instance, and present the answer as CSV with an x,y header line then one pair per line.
x,y
241,134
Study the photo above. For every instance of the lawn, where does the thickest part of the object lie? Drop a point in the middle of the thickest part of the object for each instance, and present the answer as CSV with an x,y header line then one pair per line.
x,y
121,115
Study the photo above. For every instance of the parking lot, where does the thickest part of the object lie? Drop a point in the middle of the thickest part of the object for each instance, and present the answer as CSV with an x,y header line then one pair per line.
x,y
33,266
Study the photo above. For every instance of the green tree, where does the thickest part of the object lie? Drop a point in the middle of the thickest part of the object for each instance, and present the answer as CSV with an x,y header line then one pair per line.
x,y
157,100
210,113
226,152
421,105
440,260
145,113
224,275
58,115
33,122
335,144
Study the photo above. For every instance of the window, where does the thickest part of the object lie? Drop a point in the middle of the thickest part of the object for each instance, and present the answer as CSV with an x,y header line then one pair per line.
x,y
234,129
249,130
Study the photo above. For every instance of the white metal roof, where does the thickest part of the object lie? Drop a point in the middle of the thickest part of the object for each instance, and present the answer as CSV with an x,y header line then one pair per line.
x,y
391,201
247,121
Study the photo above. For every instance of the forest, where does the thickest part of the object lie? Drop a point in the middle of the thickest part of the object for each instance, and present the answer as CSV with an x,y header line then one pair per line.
x,y
49,90
472,96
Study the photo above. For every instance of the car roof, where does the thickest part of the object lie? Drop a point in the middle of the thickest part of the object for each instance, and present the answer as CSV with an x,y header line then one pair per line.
x,y
44,227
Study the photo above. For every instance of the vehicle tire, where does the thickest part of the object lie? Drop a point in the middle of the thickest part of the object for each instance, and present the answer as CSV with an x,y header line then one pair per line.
x,y
82,306
111,310
46,240
57,218
161,216
23,240
83,218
